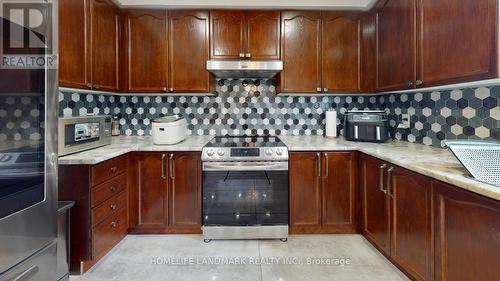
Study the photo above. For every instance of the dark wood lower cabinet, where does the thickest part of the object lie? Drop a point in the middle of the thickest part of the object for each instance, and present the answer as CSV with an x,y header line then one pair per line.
x,y
305,192
323,192
467,235
166,192
397,215
411,229
375,214
99,219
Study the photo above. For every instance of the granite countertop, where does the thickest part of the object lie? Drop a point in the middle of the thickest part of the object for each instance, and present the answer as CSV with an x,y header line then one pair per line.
x,y
124,144
434,162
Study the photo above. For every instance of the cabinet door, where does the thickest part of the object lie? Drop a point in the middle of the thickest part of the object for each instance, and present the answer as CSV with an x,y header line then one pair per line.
x,y
189,51
305,192
301,52
375,203
341,61
466,231
226,34
185,190
339,192
396,57
411,222
145,51
74,68
449,31
263,35
104,36
152,189
368,52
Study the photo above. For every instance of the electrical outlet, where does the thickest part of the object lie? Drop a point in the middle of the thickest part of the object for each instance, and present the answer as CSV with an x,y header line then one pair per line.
x,y
405,121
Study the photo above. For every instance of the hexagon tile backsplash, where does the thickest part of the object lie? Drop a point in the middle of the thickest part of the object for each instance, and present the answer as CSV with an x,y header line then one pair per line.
x,y
252,107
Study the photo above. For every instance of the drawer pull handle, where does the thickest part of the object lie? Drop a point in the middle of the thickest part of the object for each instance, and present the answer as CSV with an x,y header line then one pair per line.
x,y
113,206
113,188
113,169
114,224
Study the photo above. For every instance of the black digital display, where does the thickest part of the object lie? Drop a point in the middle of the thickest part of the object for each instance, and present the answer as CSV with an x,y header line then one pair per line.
x,y
244,152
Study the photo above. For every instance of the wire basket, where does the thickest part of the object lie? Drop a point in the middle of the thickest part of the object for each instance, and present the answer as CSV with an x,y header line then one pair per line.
x,y
480,158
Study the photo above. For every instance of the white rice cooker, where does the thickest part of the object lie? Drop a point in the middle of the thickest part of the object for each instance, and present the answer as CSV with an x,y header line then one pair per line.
x,y
169,129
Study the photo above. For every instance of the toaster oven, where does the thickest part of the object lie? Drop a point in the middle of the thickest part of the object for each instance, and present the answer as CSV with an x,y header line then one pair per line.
x,y
366,125
81,133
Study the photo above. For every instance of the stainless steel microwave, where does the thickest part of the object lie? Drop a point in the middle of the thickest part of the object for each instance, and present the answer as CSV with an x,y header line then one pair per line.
x,y
81,133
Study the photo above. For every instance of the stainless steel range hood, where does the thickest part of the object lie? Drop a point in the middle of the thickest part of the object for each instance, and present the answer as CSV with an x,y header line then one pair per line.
x,y
244,69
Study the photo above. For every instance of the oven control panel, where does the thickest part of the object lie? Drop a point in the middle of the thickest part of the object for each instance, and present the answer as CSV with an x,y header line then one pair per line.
x,y
244,154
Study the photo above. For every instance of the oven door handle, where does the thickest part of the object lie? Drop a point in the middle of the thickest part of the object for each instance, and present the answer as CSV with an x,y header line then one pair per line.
x,y
245,166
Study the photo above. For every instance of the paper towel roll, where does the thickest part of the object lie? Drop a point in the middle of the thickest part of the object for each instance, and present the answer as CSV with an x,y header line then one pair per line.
x,y
331,123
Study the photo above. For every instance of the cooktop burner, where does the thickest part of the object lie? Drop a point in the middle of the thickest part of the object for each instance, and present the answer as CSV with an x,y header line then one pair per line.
x,y
243,141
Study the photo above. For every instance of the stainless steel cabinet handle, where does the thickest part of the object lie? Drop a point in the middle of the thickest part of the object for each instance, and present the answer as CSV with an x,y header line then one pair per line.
x,y
248,55
326,164
410,84
96,86
171,90
113,206
419,83
381,184
164,89
163,166
325,89
171,166
318,159
28,274
242,55
318,90
114,224
89,85
389,181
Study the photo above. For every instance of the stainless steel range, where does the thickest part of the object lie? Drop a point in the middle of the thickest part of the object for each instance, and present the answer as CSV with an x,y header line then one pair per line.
x,y
245,188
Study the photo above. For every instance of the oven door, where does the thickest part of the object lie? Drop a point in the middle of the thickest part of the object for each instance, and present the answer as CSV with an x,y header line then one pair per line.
x,y
245,193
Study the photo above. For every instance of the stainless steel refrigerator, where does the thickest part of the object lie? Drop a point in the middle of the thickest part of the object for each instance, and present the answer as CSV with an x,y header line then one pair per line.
x,y
28,140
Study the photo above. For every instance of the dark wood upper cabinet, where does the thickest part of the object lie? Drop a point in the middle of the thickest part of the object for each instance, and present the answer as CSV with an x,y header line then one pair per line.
x,y
375,202
262,39
104,41
411,228
466,231
458,41
245,35
301,52
74,68
339,192
185,190
368,52
189,51
226,34
396,46
152,190
305,192
341,52
145,48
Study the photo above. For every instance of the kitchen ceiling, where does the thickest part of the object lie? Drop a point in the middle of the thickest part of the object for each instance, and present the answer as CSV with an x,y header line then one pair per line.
x,y
255,4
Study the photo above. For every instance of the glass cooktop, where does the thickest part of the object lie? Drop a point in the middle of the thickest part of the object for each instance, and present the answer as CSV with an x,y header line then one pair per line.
x,y
247,141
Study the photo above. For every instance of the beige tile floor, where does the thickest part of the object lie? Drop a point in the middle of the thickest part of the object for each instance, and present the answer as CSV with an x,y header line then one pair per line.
x,y
132,260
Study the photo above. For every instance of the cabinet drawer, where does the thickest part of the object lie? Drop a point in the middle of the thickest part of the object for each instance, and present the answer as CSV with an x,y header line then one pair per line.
x,y
107,189
109,232
107,170
110,206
